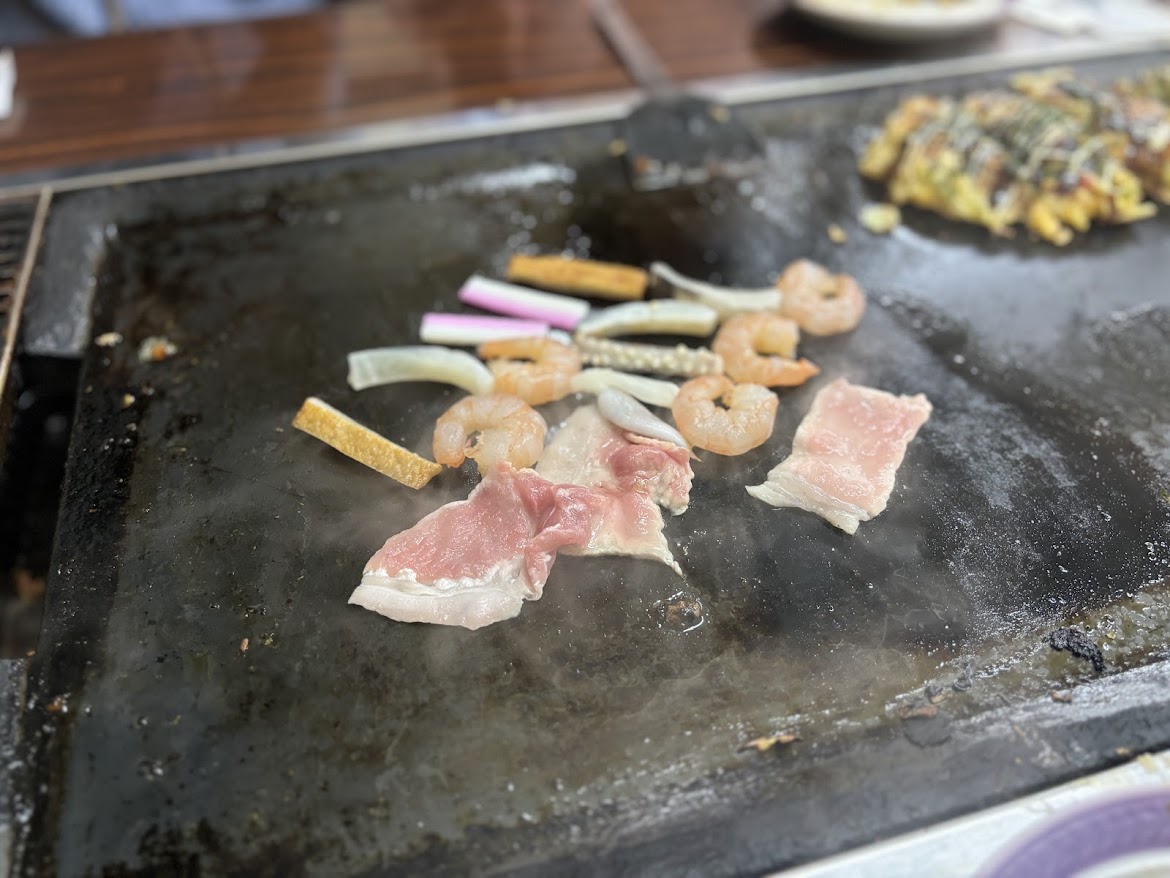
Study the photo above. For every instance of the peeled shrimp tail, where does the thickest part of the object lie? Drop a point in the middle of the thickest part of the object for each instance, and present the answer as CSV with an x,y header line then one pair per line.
x,y
821,303
506,429
745,341
538,370
745,423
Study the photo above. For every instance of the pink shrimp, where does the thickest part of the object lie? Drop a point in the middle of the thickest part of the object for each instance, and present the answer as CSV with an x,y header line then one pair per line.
x,y
820,302
538,370
744,424
742,341
488,429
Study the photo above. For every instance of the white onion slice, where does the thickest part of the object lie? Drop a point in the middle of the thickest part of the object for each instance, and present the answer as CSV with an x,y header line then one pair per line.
x,y
377,366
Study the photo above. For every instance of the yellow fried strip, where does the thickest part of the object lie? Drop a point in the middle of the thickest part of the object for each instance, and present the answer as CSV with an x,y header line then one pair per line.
x,y
584,277
322,421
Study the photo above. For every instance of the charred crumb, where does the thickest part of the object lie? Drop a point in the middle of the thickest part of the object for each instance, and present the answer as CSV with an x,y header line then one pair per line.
x,y
1078,643
680,611
767,742
155,349
966,678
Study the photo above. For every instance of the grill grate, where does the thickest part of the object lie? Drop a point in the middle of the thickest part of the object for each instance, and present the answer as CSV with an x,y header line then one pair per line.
x,y
20,228
16,222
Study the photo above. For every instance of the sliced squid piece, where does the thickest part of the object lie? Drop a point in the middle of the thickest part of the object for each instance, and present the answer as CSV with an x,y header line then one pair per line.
x,y
377,366
622,410
727,301
651,391
661,317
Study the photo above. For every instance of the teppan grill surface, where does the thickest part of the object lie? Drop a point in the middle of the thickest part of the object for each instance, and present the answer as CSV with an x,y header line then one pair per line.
x,y
592,734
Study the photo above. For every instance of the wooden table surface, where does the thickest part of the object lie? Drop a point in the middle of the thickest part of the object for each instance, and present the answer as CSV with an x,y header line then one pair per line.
x,y
148,94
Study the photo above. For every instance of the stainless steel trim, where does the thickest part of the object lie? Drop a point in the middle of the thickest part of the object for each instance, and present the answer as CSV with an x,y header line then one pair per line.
x,y
444,128
608,107
21,290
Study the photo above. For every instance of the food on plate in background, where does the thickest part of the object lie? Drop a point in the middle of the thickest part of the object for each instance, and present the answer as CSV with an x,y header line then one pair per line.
x,y
880,219
1055,153
1148,84
1136,128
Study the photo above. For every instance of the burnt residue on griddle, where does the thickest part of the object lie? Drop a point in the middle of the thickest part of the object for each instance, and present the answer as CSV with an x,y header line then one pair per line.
x,y
1077,642
679,612
966,678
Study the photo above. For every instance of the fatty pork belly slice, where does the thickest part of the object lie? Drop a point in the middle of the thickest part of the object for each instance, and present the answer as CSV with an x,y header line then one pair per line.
x,y
846,453
623,522
588,450
476,561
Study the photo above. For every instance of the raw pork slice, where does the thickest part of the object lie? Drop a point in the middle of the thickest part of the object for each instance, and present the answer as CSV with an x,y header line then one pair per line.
x,y
475,561
623,523
588,450
845,454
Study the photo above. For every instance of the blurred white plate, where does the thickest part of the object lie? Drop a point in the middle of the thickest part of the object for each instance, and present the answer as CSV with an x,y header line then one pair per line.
x,y
903,20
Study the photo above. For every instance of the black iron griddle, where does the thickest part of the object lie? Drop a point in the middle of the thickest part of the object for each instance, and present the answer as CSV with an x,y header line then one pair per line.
x,y
591,735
